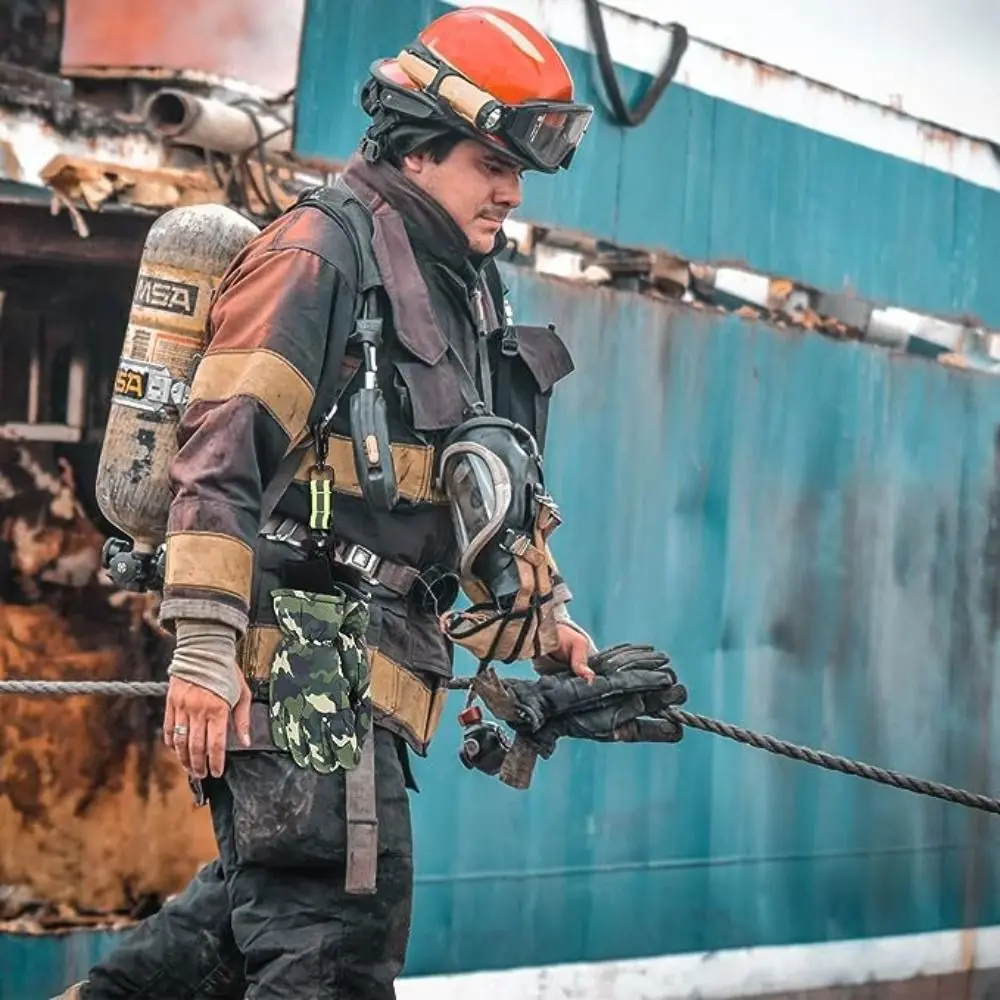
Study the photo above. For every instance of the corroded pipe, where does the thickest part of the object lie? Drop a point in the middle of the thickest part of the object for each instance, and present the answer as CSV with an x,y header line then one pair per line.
x,y
214,125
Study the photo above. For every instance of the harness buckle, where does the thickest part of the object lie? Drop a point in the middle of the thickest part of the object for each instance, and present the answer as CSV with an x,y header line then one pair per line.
x,y
285,533
362,559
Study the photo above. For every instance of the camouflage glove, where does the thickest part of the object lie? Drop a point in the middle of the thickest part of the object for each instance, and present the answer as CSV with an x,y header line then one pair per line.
x,y
320,701
628,701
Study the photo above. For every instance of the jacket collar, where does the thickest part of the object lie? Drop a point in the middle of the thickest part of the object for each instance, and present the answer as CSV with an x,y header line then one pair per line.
x,y
432,230
404,218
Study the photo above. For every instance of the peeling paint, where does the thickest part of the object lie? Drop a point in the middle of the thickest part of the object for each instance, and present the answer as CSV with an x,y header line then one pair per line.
x,y
789,304
37,142
94,183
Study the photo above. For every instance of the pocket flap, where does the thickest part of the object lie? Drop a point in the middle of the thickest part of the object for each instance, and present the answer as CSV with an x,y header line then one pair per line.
x,y
435,396
545,354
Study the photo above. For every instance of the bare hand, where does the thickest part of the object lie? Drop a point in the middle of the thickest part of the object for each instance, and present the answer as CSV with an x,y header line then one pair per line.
x,y
195,724
574,649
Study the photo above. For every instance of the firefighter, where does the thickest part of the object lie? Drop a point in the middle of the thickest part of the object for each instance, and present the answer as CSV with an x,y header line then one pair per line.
x,y
314,622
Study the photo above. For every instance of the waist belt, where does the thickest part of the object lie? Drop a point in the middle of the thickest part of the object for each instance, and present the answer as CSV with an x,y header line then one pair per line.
x,y
373,567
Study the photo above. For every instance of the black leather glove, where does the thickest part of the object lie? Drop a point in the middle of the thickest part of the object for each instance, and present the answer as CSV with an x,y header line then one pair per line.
x,y
627,702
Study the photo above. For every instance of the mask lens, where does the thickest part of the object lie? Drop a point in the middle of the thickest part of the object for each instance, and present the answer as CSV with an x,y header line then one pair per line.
x,y
473,498
547,134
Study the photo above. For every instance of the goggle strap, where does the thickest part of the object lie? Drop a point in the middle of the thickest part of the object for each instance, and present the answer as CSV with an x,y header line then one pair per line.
x,y
464,97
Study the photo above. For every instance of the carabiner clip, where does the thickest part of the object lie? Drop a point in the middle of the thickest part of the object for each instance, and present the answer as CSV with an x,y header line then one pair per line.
x,y
320,444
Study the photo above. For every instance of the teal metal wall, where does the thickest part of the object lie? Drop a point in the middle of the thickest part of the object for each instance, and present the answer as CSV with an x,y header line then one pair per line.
x,y
705,179
36,967
812,530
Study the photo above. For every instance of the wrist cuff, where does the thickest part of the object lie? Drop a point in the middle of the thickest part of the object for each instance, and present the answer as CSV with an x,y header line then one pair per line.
x,y
205,655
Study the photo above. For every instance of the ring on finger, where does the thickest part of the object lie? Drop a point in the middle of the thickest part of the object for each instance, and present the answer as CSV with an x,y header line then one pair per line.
x,y
180,730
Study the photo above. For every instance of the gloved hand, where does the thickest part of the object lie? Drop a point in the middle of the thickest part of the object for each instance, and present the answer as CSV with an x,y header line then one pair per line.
x,y
627,701
320,702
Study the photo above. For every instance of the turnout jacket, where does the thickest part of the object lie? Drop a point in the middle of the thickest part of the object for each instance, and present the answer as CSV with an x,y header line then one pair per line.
x,y
268,373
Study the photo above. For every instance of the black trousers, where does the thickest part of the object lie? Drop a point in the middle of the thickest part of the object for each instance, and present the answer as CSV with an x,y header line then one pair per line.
x,y
270,918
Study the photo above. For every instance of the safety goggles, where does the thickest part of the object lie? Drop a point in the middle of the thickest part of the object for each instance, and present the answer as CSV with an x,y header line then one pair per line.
x,y
545,133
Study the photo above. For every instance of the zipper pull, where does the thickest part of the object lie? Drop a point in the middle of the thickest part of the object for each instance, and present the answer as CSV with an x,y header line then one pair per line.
x,y
480,311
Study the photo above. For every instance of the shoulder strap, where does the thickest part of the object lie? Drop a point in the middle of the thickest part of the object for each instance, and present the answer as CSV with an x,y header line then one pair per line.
x,y
498,290
338,203
508,339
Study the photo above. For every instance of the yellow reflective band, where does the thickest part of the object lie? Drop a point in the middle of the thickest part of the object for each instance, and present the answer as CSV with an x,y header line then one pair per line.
x,y
320,499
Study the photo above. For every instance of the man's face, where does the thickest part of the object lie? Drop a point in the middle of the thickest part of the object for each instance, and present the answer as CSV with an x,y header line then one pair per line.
x,y
477,187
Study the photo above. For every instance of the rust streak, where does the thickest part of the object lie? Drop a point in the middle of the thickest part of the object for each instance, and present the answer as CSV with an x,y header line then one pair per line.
x,y
96,812
767,73
940,136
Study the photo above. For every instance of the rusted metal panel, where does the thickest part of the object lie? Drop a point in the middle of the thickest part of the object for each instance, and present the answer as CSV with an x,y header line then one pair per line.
x,y
95,812
810,527
255,42
96,816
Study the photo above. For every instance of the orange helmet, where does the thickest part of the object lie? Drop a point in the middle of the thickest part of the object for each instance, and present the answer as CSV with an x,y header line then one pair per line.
x,y
484,73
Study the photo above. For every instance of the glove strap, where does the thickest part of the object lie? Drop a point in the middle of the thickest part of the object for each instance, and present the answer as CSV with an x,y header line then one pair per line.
x,y
362,823
519,764
488,686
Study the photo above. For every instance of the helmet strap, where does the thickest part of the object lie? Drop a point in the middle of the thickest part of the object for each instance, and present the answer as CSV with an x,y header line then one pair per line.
x,y
371,149
374,142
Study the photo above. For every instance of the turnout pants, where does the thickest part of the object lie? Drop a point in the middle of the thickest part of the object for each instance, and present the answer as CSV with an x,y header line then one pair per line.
x,y
270,919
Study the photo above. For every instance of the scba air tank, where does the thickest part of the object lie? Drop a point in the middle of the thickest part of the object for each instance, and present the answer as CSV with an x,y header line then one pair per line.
x,y
186,253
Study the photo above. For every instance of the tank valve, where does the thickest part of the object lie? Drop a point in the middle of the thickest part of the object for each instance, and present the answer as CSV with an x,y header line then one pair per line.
x,y
131,570
484,745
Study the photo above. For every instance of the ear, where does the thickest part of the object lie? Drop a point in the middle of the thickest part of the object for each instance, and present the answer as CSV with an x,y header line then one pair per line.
x,y
414,163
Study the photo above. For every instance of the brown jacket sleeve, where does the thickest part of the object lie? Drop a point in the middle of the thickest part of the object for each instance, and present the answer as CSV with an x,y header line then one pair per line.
x,y
250,403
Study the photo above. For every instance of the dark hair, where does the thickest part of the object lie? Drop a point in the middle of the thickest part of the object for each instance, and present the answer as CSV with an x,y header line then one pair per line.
x,y
438,146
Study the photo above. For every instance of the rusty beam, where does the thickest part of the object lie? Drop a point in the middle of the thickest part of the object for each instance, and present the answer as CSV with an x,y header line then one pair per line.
x,y
30,233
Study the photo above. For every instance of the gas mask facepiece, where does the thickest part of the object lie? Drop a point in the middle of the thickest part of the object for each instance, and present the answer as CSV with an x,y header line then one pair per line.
x,y
491,472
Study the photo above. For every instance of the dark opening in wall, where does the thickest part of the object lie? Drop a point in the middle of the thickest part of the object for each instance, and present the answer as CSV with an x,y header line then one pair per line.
x,y
61,330
31,33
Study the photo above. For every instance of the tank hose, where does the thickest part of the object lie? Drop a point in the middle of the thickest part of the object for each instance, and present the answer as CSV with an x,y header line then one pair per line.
x,y
621,112
817,758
